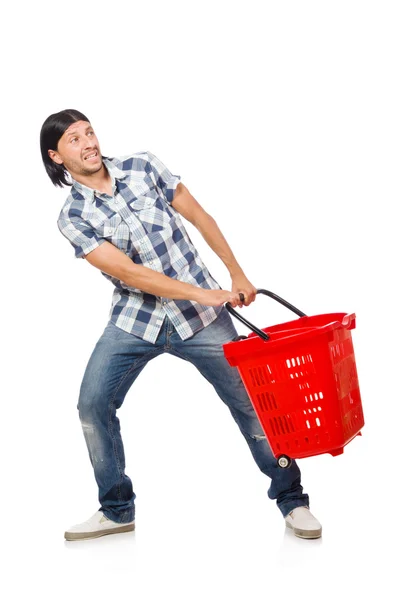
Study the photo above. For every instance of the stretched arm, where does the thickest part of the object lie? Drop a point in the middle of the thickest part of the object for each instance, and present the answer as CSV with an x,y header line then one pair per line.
x,y
114,262
189,208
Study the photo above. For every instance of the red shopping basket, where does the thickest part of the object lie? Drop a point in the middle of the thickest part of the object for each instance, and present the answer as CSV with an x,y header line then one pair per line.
x,y
302,380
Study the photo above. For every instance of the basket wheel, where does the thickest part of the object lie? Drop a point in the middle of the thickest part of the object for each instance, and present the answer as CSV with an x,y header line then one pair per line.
x,y
284,461
239,337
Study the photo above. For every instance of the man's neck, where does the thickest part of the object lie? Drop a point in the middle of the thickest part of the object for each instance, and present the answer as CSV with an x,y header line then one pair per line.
x,y
100,181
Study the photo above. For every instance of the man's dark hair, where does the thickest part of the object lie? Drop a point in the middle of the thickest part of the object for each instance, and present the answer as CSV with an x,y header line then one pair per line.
x,y
52,130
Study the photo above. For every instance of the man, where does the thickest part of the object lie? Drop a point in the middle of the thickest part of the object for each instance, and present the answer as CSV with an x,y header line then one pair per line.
x,y
123,216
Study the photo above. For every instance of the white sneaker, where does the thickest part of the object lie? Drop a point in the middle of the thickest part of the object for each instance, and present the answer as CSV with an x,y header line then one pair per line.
x,y
96,526
303,524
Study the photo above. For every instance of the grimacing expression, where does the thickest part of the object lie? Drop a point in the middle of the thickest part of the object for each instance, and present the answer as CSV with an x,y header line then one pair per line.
x,y
78,149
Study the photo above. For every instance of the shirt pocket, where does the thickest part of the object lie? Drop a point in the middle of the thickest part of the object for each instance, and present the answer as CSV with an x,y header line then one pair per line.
x,y
152,211
115,230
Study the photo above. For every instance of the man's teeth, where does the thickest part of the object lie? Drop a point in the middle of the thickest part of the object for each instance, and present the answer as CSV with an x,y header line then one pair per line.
x,y
91,155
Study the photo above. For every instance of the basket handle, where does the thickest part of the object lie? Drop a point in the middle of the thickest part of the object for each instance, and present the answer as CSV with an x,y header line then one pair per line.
x,y
256,330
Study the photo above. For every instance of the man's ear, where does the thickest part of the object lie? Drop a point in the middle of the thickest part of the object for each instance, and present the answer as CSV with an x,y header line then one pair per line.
x,y
55,157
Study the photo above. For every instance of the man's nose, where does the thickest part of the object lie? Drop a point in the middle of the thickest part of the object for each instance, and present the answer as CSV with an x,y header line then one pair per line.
x,y
89,142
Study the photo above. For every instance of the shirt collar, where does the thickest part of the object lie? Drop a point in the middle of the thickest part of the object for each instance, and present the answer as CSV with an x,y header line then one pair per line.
x,y
114,172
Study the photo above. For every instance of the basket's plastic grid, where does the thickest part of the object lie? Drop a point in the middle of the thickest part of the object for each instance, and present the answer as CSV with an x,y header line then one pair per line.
x,y
299,407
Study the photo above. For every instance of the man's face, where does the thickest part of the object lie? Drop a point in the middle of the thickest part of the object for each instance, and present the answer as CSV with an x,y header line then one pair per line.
x,y
78,150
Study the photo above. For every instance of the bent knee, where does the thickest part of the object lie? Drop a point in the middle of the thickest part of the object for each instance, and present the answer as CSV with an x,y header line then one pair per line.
x,y
92,405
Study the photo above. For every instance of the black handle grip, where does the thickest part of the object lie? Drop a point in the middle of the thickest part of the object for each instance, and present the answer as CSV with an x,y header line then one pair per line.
x,y
256,330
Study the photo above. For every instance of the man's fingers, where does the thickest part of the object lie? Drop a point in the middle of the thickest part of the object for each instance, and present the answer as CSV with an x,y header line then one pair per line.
x,y
234,300
249,297
242,298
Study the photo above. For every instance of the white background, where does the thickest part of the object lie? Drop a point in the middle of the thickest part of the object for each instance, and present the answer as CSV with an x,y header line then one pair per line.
x,y
280,118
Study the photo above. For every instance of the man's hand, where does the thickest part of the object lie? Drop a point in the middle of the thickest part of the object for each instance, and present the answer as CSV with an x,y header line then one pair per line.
x,y
216,297
240,284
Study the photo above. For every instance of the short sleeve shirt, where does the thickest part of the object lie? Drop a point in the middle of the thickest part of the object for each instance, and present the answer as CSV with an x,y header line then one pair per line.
x,y
139,220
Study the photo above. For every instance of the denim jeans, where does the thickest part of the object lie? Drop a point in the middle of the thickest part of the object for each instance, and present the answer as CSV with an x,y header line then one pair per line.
x,y
116,362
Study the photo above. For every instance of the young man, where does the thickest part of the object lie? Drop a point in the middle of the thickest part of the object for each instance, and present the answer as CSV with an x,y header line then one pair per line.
x,y
123,216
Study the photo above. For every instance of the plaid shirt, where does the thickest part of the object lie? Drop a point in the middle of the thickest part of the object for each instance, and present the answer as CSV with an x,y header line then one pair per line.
x,y
140,221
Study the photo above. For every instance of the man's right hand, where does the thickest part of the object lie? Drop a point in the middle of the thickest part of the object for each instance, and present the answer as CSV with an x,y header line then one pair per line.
x,y
217,298
114,262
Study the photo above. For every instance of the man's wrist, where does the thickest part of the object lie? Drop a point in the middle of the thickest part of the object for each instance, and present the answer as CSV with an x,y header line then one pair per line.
x,y
236,271
198,295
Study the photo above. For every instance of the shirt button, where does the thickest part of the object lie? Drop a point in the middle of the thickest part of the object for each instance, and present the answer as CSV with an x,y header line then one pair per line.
x,y
150,262
164,302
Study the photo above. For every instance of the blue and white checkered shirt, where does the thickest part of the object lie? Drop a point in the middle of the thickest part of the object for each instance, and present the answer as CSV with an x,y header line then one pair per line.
x,y
139,220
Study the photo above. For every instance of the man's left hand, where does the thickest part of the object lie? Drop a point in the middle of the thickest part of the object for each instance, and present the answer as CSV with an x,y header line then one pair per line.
x,y
241,284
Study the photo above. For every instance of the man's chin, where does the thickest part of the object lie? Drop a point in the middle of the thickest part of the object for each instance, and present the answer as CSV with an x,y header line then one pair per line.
x,y
90,169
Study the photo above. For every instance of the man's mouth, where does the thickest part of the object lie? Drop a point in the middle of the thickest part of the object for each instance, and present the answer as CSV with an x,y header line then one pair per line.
x,y
92,156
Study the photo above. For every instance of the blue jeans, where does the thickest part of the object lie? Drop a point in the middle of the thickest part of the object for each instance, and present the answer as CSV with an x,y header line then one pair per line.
x,y
116,362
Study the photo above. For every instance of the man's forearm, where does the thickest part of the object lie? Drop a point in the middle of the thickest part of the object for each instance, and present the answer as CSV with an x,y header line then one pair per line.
x,y
210,231
159,284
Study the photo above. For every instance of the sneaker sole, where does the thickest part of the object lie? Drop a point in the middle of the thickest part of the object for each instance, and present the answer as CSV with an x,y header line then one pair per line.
x,y
87,535
307,535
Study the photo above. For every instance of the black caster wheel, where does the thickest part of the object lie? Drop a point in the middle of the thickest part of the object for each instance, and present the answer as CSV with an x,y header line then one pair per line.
x,y
284,461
